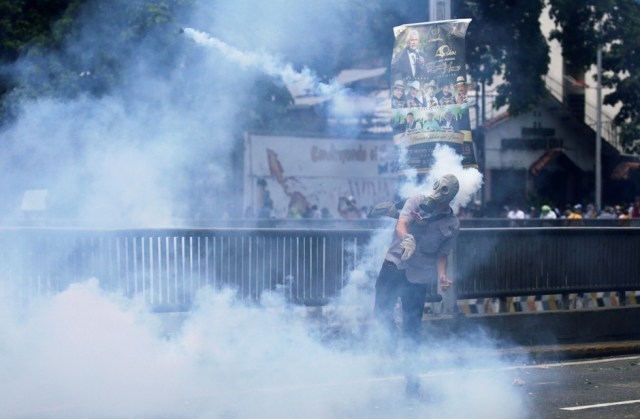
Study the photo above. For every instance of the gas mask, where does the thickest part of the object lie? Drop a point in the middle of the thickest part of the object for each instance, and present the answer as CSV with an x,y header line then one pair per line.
x,y
444,190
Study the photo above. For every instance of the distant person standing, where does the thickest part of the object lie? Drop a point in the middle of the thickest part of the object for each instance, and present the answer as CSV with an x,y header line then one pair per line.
x,y
624,213
635,211
576,213
590,213
574,218
348,208
312,212
515,213
546,213
267,209
607,213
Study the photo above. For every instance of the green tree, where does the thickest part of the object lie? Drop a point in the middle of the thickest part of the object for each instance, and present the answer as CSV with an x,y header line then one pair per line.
x,y
26,24
29,22
504,38
583,25
37,30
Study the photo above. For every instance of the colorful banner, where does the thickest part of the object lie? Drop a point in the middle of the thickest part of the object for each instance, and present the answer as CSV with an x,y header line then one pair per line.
x,y
301,171
429,92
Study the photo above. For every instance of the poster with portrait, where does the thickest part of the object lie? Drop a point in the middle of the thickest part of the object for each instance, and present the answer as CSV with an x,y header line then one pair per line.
x,y
429,92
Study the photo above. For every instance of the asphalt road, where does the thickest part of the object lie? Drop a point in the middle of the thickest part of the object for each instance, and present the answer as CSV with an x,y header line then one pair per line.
x,y
597,388
588,388
498,388
454,387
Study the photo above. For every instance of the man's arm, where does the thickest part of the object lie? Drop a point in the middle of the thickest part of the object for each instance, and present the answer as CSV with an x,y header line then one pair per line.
x,y
408,243
402,227
441,266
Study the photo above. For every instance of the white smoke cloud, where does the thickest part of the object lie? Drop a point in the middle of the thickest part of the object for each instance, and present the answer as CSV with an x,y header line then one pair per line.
x,y
168,128
86,353
268,64
446,161
303,83
144,154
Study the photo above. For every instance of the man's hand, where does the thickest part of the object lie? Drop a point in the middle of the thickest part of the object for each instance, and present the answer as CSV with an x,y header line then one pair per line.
x,y
445,283
408,245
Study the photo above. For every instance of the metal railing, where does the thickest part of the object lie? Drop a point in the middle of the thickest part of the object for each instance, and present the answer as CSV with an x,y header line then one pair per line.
x,y
367,223
507,262
166,267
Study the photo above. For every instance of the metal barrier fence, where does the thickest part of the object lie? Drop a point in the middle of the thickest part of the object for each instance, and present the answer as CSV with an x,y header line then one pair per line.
x,y
167,267
525,261
347,224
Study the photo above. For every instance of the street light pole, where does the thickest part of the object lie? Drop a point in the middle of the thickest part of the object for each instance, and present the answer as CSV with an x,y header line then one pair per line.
x,y
598,156
439,10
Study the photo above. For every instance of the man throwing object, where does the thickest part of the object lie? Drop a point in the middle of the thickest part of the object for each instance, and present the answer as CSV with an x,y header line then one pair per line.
x,y
424,236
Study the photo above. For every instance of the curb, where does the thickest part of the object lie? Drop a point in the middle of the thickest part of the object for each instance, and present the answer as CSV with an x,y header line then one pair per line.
x,y
578,350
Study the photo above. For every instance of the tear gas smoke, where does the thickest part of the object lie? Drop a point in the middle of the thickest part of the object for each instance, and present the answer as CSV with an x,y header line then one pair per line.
x,y
266,63
128,158
446,161
86,353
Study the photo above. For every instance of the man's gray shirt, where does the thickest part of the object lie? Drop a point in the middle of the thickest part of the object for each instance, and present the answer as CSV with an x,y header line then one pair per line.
x,y
434,233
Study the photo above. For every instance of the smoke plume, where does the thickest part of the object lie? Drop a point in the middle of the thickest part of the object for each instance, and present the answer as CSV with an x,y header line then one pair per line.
x,y
152,148
87,353
269,65
446,161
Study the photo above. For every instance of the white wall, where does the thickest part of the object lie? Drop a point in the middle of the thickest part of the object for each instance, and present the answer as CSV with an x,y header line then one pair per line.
x,y
578,148
321,169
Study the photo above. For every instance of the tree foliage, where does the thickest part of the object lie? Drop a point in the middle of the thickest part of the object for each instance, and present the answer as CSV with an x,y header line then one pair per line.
x,y
504,38
583,25
25,24
37,30
35,34
30,22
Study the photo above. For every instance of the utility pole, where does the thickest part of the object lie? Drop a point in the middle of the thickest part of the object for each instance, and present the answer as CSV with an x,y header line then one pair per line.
x,y
598,156
439,10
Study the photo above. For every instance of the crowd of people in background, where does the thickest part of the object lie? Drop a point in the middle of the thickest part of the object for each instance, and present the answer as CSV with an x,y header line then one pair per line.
x,y
349,209
575,211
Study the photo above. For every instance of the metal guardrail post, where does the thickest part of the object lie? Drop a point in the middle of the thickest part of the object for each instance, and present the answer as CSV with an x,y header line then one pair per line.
x,y
502,305
622,297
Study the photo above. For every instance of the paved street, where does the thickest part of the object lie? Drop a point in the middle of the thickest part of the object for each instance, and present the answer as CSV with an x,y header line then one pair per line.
x,y
607,387
589,388
594,388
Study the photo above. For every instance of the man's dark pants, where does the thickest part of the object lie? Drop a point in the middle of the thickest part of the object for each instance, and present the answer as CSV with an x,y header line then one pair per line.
x,y
391,284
